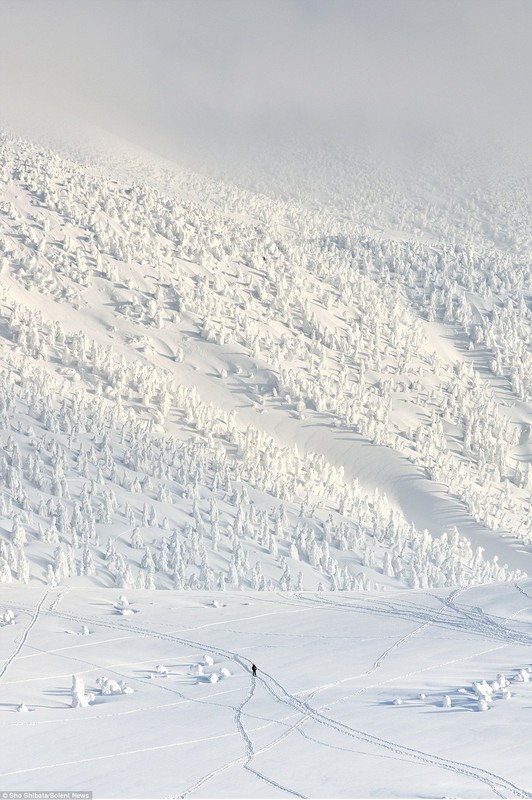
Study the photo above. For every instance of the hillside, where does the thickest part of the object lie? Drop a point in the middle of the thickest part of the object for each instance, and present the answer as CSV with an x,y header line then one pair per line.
x,y
250,396
204,386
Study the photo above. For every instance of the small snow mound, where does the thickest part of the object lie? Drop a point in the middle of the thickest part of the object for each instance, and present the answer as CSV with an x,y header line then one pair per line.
x,y
123,601
506,693
523,676
8,617
161,669
213,678
224,673
126,612
108,686
217,604
446,702
22,708
197,669
209,660
84,630
397,702
422,696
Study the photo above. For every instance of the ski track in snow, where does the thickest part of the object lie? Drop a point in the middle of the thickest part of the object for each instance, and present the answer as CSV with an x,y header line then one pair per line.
x,y
22,640
486,625
377,663
498,785
251,753
495,782
238,711
471,620
249,745
522,591
447,604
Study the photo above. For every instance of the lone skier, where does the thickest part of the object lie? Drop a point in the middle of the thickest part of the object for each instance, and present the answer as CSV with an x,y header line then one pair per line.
x,y
254,670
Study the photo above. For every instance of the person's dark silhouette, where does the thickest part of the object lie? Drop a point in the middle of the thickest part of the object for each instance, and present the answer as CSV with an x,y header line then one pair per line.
x,y
253,669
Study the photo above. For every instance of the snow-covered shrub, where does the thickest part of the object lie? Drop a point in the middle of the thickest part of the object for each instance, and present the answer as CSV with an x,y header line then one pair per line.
x,y
79,698
109,686
483,690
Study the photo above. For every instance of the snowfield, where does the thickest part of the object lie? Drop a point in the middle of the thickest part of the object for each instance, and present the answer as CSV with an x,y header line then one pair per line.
x,y
244,425
348,699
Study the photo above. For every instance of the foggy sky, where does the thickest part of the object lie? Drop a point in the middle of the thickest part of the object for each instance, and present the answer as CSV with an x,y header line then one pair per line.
x,y
165,72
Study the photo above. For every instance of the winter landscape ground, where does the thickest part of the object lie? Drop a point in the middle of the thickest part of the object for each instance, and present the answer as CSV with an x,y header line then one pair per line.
x,y
350,699
309,426
274,411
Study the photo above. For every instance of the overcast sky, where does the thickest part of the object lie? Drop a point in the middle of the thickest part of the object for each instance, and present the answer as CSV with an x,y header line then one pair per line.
x,y
163,71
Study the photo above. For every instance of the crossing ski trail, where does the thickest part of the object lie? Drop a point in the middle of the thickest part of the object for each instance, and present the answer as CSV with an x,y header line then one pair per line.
x,y
499,785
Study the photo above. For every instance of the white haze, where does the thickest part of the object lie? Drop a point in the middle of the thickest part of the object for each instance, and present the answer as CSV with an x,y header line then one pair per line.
x,y
206,75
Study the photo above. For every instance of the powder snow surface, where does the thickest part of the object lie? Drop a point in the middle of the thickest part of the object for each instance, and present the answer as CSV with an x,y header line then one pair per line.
x,y
322,718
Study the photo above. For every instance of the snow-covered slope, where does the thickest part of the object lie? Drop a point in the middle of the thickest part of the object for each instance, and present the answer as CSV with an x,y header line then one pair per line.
x,y
202,385
356,695
216,388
